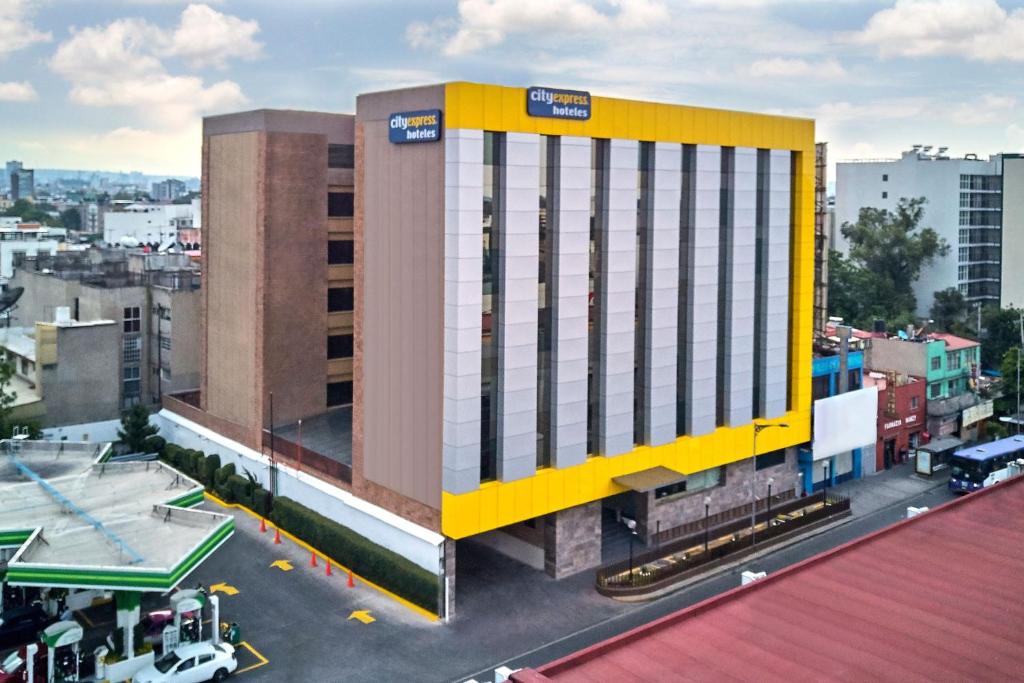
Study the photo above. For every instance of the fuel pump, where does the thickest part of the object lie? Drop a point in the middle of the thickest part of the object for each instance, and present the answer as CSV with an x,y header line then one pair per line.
x,y
62,642
187,602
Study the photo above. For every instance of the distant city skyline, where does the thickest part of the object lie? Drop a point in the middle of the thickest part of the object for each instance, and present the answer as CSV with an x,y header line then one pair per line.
x,y
122,85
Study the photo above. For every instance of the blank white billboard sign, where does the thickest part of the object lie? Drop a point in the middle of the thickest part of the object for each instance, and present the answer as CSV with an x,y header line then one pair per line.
x,y
845,422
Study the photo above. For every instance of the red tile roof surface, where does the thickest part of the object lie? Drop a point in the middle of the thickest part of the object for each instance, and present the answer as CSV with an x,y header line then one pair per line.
x,y
938,597
953,342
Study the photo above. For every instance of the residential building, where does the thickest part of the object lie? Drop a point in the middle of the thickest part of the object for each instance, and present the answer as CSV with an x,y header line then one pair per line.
x,y
154,298
949,366
66,372
168,190
552,322
22,240
964,206
901,416
155,225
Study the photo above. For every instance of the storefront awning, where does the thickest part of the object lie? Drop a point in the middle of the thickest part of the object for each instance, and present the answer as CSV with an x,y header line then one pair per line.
x,y
648,480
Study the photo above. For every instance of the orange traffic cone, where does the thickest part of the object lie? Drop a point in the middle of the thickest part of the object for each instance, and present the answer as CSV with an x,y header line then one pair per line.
x,y
327,571
263,525
351,583
277,537
312,559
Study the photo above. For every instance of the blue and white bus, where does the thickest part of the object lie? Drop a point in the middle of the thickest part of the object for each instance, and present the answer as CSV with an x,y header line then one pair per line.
x,y
983,465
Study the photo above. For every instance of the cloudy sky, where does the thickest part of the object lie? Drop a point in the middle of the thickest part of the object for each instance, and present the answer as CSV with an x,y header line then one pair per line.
x,y
123,84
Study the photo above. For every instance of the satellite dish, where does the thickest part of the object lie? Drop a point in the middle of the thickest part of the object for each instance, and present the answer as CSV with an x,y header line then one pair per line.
x,y
129,241
9,298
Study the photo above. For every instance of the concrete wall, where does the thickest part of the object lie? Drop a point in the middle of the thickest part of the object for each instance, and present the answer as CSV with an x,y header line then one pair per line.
x,y
184,329
399,361
1012,279
43,294
906,357
84,384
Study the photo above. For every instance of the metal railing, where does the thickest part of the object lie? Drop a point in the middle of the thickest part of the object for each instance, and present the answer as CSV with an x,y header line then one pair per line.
x,y
304,458
661,564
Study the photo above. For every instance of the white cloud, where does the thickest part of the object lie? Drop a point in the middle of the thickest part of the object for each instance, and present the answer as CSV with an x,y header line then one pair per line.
x,y
985,109
1015,134
486,23
385,78
781,67
120,65
974,29
208,37
16,29
14,91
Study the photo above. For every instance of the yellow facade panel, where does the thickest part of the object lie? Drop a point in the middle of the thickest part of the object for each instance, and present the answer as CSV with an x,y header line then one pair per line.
x,y
491,107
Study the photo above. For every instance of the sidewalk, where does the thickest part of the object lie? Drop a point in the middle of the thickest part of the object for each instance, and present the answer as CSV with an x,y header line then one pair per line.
x,y
878,491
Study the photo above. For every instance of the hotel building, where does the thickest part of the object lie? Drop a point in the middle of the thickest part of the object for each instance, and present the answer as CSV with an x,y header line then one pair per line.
x,y
565,309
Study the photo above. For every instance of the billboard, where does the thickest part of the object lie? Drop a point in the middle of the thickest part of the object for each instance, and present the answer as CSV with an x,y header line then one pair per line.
x,y
845,422
558,104
978,413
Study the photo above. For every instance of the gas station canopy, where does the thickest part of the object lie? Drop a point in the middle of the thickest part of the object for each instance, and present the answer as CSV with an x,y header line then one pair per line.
x,y
78,521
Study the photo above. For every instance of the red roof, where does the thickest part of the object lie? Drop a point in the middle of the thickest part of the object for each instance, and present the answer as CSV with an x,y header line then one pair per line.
x,y
953,342
935,597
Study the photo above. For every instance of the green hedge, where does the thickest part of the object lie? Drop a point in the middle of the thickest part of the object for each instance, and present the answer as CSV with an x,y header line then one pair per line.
x,y
363,556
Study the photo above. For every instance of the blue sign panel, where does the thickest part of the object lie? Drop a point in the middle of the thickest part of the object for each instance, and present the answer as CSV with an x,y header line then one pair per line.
x,y
558,104
415,126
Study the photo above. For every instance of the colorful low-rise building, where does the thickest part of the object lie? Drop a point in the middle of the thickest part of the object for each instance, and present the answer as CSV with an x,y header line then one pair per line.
x,y
901,416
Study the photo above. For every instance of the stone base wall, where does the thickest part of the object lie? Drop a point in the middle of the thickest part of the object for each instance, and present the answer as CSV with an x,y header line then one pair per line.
x,y
449,575
572,540
727,502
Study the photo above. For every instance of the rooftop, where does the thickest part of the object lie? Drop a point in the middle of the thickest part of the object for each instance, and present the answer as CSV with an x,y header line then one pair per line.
x,y
934,597
20,341
953,342
82,521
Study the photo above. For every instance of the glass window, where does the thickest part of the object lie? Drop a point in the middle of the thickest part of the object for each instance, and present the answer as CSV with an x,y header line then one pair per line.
x,y
853,379
165,343
494,149
546,226
644,186
132,350
953,360
885,177
913,402
598,200
340,252
341,156
132,319
339,204
766,460
339,346
131,385
339,299
934,389
339,393
885,195
936,362
698,481
820,387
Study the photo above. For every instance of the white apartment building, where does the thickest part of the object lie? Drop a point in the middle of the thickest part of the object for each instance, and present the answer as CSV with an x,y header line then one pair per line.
x,y
976,205
150,223
19,239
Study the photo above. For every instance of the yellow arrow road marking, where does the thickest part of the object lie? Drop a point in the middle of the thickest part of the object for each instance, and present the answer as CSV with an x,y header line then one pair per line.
x,y
363,616
224,588
283,565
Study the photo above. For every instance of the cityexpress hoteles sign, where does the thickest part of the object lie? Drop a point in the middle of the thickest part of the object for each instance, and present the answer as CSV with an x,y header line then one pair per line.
x,y
558,104
415,126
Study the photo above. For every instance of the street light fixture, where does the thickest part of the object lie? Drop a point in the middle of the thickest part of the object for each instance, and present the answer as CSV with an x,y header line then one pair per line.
x,y
758,428
631,525
771,480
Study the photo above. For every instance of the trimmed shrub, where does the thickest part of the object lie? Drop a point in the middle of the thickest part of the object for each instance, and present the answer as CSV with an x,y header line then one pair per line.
x,y
210,466
262,501
222,474
363,556
241,490
195,464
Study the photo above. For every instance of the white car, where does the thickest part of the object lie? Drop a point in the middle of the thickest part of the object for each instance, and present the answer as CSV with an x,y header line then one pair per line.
x,y
191,664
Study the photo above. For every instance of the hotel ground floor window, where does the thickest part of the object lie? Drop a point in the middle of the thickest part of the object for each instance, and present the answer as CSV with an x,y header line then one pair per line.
x,y
339,393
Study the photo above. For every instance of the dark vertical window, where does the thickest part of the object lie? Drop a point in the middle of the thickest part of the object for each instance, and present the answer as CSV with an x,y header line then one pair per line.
x,y
339,346
492,169
644,187
685,246
339,299
598,201
339,393
547,224
760,272
339,204
725,240
340,252
341,156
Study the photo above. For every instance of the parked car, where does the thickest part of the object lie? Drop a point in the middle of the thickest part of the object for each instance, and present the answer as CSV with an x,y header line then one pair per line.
x,y
22,625
191,664
13,668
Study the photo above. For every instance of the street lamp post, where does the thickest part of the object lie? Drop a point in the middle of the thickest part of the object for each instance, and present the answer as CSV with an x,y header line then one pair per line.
x,y
824,483
758,428
631,525
771,480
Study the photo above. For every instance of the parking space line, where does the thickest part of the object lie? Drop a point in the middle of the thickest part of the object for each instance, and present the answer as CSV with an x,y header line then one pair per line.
x,y
262,660
338,565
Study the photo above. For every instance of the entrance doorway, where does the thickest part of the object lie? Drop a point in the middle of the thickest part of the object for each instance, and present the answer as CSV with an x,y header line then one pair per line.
x,y
889,453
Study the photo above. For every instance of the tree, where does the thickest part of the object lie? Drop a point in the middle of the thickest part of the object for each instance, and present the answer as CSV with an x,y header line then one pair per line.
x,y
1002,331
1007,404
949,311
136,433
887,251
7,394
30,213
71,219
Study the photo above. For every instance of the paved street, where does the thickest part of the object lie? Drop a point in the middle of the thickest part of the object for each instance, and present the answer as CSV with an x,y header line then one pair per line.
x,y
508,614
